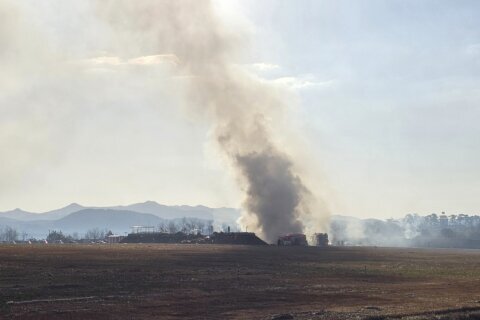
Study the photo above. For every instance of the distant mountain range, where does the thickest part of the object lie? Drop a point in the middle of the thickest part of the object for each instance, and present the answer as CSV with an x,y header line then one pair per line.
x,y
119,219
21,215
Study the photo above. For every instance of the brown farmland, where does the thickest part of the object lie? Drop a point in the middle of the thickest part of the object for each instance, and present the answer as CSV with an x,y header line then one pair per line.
x,y
157,281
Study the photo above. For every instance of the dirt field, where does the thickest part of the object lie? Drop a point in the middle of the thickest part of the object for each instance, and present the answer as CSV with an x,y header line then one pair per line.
x,y
153,281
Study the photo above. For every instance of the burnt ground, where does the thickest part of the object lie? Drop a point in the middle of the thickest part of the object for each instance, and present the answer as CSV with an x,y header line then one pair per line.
x,y
179,281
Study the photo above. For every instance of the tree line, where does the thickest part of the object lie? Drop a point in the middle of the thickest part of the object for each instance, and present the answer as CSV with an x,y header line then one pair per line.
x,y
184,225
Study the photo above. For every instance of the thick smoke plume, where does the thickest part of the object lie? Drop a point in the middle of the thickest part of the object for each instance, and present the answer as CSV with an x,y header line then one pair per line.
x,y
240,106
52,78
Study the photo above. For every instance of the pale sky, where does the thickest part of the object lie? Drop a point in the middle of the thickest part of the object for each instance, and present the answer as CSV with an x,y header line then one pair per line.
x,y
388,101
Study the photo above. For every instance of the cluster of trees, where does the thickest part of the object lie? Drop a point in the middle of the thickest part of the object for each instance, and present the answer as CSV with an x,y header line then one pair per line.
x,y
184,225
435,220
94,234
97,234
460,230
187,226
8,234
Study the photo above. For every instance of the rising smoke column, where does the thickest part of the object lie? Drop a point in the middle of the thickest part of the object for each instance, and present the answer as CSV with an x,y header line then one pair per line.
x,y
239,105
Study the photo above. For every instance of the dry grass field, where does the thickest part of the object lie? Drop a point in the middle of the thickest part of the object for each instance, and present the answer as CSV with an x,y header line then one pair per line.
x,y
156,281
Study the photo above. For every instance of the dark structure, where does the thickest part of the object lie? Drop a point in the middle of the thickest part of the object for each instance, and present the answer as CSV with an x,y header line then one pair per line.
x,y
321,239
293,239
247,238
161,237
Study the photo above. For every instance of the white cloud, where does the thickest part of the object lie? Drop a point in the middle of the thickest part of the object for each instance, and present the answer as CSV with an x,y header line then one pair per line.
x,y
155,59
105,60
302,82
141,61
265,66
269,72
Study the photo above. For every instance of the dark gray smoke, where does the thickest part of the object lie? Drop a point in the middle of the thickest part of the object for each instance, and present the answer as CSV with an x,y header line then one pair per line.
x,y
248,115
273,192
244,110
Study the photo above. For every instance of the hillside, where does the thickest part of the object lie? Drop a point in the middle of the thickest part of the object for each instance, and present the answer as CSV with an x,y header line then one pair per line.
x,y
168,212
18,214
119,221
220,215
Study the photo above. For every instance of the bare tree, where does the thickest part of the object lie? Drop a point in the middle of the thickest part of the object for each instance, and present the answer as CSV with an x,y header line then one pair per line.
x,y
225,227
200,228
209,227
190,225
95,234
172,227
162,227
8,234
183,225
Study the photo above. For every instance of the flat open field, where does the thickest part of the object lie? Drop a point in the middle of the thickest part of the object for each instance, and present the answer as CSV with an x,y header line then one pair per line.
x,y
157,281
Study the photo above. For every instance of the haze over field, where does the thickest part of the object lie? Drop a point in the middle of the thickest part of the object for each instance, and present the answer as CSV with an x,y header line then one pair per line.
x,y
291,110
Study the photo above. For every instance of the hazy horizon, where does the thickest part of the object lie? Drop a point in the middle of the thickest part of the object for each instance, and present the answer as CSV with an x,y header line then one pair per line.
x,y
383,106
106,206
